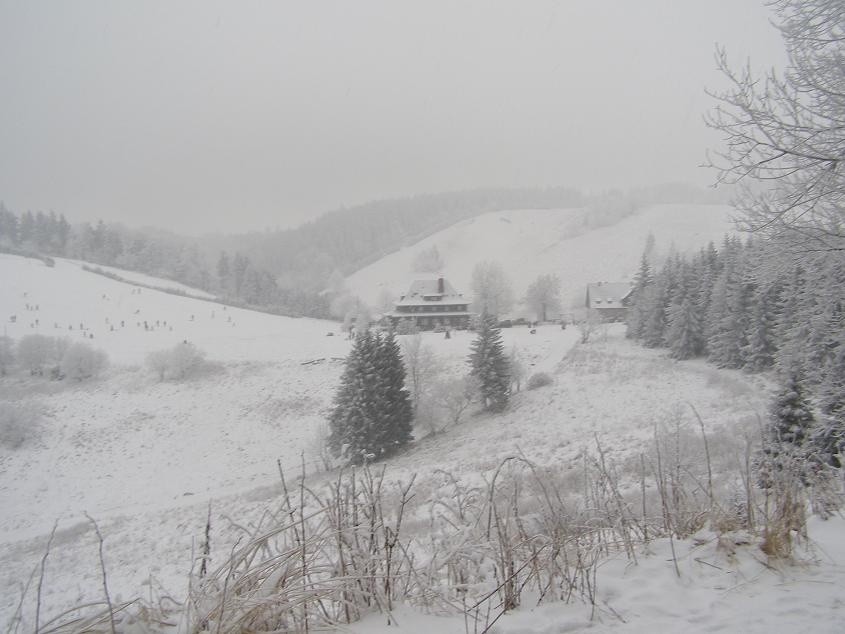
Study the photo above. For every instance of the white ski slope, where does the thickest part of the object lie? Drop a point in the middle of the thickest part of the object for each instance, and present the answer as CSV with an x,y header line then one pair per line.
x,y
528,243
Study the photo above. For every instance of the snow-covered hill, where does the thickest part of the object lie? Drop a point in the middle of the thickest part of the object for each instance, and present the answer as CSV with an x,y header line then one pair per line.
x,y
127,442
129,321
145,458
528,243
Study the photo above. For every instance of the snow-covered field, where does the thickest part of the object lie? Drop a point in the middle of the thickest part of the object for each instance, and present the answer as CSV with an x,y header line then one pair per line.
x,y
528,243
145,458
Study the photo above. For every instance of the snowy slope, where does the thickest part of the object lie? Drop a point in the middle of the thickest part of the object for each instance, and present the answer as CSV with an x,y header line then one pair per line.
x,y
68,297
145,458
128,442
528,243
722,588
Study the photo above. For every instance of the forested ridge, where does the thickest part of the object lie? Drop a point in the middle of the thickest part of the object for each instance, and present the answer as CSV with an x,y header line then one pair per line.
x,y
288,271
348,239
234,278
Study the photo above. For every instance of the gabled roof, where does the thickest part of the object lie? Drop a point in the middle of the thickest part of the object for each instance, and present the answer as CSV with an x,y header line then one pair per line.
x,y
425,291
608,294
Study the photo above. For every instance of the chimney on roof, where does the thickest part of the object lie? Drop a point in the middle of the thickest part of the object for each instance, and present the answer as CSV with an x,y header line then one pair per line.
x,y
440,285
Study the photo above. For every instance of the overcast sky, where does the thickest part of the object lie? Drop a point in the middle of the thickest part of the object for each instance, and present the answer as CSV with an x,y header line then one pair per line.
x,y
201,115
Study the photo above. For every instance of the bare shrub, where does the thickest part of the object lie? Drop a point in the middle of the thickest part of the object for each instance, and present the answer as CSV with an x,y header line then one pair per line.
x,y
19,423
428,261
455,397
421,368
177,363
539,379
317,449
517,368
81,361
589,322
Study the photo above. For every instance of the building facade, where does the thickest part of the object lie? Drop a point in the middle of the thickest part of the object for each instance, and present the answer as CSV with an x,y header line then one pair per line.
x,y
609,299
430,305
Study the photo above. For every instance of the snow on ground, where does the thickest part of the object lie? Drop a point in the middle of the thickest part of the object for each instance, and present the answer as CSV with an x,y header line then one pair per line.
x,y
146,280
145,458
722,587
126,447
528,243
68,297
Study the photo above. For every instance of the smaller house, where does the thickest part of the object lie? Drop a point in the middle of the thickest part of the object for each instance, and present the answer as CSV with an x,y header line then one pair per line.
x,y
609,299
431,304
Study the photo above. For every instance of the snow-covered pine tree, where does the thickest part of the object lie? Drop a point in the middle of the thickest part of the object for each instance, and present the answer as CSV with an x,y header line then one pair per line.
x,y
830,436
394,411
684,328
790,425
705,269
351,422
685,332
791,416
728,314
761,347
825,317
372,414
635,318
832,389
489,365
655,303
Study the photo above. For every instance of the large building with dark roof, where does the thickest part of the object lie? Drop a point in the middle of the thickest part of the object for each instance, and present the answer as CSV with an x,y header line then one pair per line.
x,y
431,304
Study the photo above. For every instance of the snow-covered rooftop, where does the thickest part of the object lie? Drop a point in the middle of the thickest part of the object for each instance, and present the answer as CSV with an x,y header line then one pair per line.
x,y
425,291
607,294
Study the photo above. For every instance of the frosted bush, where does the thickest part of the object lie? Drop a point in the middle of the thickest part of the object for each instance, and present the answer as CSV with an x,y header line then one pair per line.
x,y
540,379
80,361
18,424
35,352
177,363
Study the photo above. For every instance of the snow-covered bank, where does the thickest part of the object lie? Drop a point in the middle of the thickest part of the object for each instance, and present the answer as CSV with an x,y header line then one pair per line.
x,y
722,587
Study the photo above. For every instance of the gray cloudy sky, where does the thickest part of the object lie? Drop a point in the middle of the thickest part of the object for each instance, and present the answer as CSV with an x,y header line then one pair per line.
x,y
243,115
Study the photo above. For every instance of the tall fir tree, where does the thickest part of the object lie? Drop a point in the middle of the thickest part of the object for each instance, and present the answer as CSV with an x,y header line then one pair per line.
x,y
489,365
395,410
635,318
349,424
786,448
684,327
685,331
727,317
791,416
761,347
655,305
830,435
371,417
